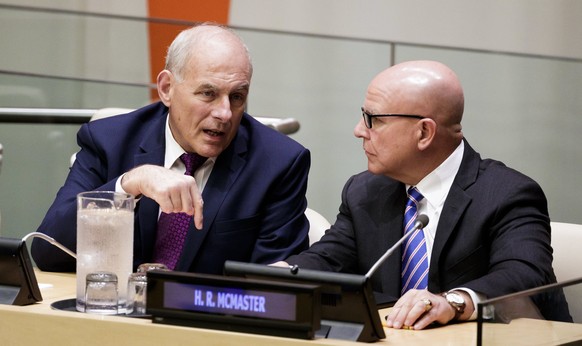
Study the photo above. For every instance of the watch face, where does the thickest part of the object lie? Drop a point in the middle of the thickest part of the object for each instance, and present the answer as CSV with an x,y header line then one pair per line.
x,y
457,302
455,298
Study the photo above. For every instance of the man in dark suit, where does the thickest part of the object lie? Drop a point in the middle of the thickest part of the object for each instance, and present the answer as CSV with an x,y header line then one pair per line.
x,y
247,199
489,230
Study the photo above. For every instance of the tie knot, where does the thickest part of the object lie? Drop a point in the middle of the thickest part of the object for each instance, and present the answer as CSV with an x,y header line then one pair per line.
x,y
192,161
414,195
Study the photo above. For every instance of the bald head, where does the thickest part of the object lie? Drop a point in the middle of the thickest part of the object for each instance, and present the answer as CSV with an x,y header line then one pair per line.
x,y
427,88
205,37
408,148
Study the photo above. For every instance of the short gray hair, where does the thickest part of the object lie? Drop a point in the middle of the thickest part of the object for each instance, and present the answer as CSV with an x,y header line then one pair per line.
x,y
180,52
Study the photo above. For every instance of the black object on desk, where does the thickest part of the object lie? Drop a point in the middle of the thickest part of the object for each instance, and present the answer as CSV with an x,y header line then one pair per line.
x,y
18,285
348,307
234,304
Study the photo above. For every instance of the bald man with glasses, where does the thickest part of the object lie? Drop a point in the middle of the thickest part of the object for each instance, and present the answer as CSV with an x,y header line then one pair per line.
x,y
489,229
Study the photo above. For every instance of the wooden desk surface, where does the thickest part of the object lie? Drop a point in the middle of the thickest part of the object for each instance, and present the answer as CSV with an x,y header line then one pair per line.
x,y
39,324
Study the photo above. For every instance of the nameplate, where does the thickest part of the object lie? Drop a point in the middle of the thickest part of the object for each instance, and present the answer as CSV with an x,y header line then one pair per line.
x,y
235,304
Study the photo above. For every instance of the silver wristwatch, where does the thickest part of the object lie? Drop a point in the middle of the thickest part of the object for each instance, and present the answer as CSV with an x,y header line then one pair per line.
x,y
456,301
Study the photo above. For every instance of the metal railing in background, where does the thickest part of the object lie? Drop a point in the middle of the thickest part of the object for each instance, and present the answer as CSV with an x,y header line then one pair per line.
x,y
79,116
45,115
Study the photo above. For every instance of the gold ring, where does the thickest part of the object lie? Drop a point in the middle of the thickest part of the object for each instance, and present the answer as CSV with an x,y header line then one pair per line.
x,y
427,304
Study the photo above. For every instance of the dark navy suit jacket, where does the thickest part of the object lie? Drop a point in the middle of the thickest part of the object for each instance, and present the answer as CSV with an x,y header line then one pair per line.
x,y
254,200
493,234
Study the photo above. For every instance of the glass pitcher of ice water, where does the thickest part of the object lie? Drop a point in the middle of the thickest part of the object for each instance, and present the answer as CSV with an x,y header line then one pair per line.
x,y
104,239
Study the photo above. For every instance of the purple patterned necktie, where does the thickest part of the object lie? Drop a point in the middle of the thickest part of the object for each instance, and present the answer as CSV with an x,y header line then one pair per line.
x,y
173,227
414,254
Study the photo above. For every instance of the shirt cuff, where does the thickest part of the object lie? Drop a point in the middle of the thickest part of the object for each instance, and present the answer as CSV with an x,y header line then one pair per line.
x,y
120,189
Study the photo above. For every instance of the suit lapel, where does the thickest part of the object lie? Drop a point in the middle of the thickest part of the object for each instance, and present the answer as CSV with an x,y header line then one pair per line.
x,y
455,205
227,168
153,151
392,231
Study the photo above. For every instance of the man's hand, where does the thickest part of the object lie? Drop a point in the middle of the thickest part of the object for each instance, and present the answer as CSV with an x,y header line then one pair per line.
x,y
417,309
174,192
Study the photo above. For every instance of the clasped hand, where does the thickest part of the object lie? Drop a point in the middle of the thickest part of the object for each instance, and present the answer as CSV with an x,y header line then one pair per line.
x,y
173,191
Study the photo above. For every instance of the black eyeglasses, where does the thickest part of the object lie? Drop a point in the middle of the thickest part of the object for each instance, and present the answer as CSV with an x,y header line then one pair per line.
x,y
368,117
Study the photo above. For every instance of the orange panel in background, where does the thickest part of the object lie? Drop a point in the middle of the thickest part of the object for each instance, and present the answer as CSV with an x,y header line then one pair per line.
x,y
161,35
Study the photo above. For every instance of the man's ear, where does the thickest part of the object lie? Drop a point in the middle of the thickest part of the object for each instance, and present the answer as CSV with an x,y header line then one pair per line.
x,y
165,83
427,130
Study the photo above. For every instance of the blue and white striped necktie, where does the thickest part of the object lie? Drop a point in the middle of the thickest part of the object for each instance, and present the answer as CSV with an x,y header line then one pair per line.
x,y
414,254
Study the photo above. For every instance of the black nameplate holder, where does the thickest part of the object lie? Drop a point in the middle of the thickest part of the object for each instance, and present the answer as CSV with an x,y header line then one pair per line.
x,y
234,304
348,307
18,285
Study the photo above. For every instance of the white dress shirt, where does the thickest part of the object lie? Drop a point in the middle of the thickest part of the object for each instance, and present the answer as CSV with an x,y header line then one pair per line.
x,y
435,188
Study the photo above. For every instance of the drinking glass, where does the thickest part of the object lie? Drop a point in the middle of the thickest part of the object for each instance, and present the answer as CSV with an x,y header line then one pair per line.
x,y
136,294
104,239
101,293
137,288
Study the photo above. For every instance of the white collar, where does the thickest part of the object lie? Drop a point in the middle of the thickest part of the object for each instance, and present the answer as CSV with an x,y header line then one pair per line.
x,y
436,185
174,150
